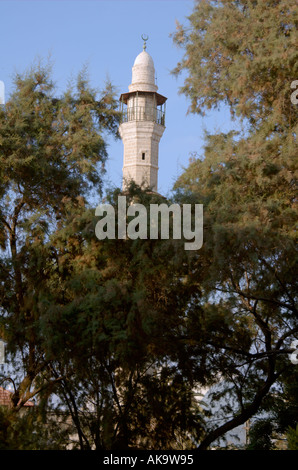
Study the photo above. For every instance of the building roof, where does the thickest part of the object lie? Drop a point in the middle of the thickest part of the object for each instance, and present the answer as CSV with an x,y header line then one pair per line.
x,y
143,73
160,99
143,79
5,398
144,59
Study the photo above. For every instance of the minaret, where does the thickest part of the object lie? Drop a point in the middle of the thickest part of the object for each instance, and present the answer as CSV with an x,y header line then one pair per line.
x,y
143,123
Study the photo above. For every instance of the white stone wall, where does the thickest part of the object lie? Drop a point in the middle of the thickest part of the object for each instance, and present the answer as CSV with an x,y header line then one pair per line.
x,y
141,137
140,133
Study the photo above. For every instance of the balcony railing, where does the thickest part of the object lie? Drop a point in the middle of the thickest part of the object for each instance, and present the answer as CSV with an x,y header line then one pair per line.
x,y
141,113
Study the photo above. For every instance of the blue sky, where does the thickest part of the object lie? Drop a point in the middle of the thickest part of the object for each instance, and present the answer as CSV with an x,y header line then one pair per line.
x,y
105,35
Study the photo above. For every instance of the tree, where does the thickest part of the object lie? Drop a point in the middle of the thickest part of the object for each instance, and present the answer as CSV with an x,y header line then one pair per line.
x,y
30,431
242,54
124,331
52,152
277,424
84,320
111,309
293,438
249,68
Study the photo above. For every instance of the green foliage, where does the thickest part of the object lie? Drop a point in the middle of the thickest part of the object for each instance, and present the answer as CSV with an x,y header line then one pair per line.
x,y
52,153
292,437
260,436
243,55
124,332
28,431
110,312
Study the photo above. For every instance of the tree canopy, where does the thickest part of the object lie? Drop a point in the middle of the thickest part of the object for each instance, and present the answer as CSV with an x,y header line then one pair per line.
x,y
52,152
116,340
242,54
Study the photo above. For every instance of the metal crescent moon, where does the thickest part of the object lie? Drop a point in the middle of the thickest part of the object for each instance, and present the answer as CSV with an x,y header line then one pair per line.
x,y
145,37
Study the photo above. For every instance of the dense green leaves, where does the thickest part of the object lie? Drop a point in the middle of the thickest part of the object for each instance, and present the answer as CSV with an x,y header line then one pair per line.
x,y
243,55
121,338
50,152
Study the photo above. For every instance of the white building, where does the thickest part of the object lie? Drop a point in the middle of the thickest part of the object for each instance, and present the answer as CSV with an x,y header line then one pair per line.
x,y
142,125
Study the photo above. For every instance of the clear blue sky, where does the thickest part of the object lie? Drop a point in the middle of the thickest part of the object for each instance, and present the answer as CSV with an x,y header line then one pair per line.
x,y
105,35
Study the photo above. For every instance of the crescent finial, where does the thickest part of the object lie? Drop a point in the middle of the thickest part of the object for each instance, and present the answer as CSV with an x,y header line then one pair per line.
x,y
145,39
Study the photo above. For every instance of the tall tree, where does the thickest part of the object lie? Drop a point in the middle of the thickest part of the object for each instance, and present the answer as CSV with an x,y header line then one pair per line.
x,y
111,310
242,53
92,321
52,151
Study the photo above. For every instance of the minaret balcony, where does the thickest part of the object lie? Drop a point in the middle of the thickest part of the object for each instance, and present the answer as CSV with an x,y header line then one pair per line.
x,y
143,113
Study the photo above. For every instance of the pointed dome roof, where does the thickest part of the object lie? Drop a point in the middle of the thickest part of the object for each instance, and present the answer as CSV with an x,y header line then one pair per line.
x,y
144,59
143,74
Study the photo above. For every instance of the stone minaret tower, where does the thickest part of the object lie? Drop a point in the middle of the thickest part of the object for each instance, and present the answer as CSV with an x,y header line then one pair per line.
x,y
143,123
